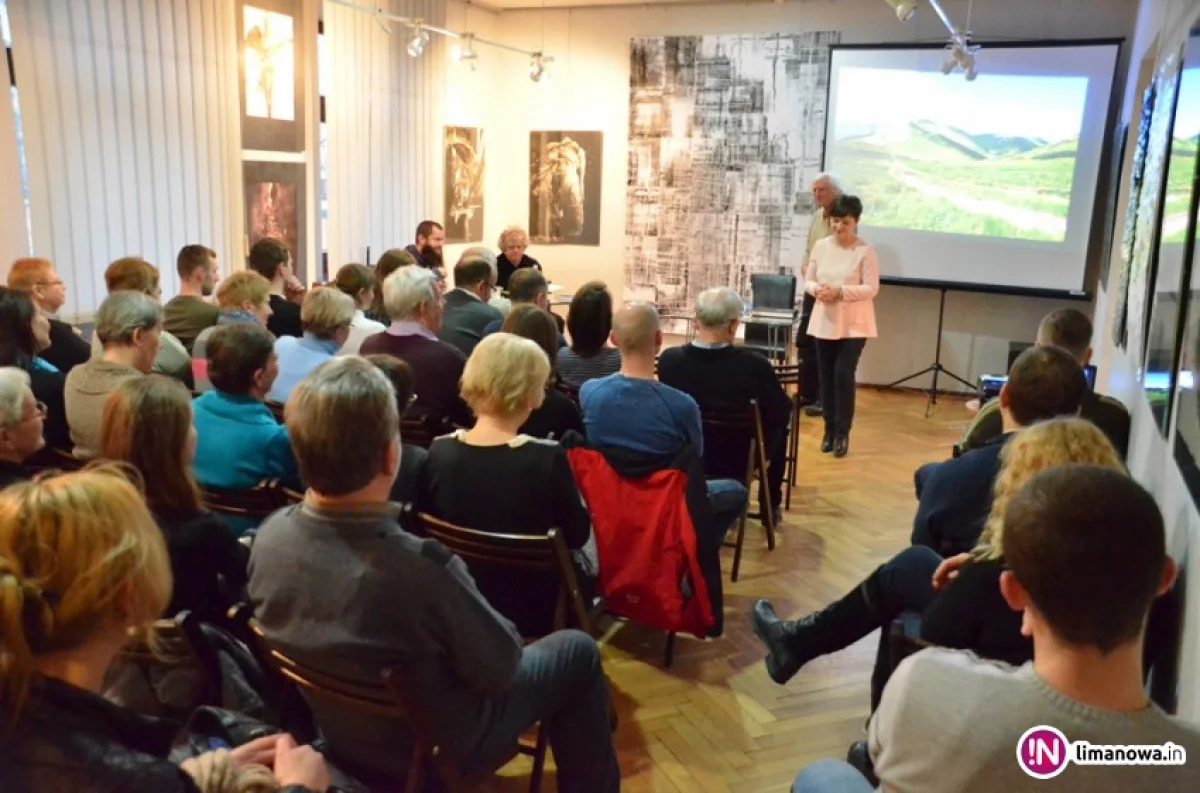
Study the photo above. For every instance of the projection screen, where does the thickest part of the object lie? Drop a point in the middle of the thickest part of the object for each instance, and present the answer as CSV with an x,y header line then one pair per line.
x,y
990,183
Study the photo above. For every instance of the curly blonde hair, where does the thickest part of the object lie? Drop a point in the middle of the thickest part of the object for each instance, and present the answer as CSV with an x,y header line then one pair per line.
x,y
512,231
1034,449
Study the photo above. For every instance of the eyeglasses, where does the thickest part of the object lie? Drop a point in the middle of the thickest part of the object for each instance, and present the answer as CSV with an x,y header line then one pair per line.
x,y
57,282
39,413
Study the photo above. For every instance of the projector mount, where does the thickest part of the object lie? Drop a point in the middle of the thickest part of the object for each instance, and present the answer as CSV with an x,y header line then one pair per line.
x,y
960,52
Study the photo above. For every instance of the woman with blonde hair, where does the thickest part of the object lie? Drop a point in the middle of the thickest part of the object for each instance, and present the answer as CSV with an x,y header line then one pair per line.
x,y
148,426
325,316
83,573
244,297
966,612
513,244
519,485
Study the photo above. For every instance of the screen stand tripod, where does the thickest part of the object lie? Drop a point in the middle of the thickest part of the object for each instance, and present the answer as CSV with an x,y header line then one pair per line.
x,y
936,367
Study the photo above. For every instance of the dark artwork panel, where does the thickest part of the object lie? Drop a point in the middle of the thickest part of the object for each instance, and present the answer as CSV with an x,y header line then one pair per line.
x,y
1187,378
275,201
565,171
1136,176
272,96
464,184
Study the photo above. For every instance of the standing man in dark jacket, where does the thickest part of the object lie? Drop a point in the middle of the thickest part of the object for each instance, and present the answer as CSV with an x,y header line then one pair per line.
x,y
715,372
48,292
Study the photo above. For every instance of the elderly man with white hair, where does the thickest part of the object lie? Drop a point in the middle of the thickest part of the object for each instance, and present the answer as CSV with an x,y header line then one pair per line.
x,y
414,301
825,190
21,420
713,371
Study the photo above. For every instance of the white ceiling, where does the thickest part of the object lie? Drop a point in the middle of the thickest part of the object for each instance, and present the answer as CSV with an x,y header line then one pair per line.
x,y
501,5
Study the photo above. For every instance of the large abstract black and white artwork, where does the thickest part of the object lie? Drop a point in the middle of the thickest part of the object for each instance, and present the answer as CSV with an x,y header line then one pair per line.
x,y
564,187
725,136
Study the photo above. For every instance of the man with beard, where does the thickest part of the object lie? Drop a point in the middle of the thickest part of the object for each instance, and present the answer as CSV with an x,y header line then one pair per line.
x,y
428,248
189,313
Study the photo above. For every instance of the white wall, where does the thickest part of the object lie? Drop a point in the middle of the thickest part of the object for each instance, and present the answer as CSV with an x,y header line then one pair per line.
x,y
589,90
1161,24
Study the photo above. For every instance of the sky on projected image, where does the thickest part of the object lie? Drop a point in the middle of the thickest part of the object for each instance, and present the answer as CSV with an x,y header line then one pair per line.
x,y
931,152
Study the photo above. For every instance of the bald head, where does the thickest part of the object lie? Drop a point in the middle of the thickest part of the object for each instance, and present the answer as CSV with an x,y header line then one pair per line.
x,y
635,329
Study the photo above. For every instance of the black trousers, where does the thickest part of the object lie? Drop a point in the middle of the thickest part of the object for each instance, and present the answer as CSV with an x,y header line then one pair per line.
x,y
806,349
838,361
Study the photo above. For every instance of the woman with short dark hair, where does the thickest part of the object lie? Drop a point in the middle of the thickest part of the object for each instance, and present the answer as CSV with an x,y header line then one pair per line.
x,y
589,321
558,414
358,281
24,334
412,457
843,276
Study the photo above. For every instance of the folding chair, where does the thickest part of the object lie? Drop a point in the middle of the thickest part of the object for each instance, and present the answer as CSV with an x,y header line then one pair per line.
x,y
738,425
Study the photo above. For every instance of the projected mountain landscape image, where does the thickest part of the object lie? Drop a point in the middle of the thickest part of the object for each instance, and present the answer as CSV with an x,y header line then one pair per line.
x,y
931,152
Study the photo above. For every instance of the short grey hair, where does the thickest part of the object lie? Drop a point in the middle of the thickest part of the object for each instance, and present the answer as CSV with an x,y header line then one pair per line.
x,y
829,179
124,312
407,289
718,306
480,252
14,387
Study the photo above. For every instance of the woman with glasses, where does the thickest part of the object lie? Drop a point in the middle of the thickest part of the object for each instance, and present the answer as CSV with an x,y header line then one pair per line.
x,y
21,420
24,335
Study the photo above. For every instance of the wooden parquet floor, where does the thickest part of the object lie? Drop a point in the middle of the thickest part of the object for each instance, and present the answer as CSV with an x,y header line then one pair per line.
x,y
714,721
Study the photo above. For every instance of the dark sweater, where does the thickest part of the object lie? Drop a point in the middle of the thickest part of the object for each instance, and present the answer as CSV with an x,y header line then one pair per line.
x,y
1108,414
285,317
48,388
207,563
11,473
408,478
971,614
67,348
956,500
505,268
350,593
557,416
523,487
437,368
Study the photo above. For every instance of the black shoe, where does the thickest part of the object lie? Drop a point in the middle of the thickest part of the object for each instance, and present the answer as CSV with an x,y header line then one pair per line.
x,y
814,410
841,445
775,634
827,444
860,757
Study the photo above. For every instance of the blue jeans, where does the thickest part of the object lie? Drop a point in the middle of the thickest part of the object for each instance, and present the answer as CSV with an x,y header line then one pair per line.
x,y
831,776
727,497
559,683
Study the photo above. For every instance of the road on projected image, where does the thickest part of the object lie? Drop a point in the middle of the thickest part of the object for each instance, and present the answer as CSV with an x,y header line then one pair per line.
x,y
1020,217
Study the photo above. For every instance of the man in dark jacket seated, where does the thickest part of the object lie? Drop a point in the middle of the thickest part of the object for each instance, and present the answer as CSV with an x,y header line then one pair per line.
x,y
632,410
338,584
714,372
1044,382
467,309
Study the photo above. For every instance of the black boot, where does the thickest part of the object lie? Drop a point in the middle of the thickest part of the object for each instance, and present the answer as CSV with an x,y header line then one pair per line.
x,y
827,443
790,645
841,445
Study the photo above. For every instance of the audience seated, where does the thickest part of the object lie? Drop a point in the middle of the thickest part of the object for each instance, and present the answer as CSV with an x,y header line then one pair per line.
x,y
966,612
528,285
1071,330
558,414
589,321
715,372
1086,556
467,309
326,316
46,288
242,297
326,577
388,263
21,420
358,281
519,485
138,275
632,410
412,298
148,425
84,572
239,443
24,334
128,325
271,259
1044,382
412,457
189,313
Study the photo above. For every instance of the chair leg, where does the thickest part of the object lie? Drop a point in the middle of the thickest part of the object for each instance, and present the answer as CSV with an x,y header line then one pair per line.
x,y
669,653
767,505
737,547
539,760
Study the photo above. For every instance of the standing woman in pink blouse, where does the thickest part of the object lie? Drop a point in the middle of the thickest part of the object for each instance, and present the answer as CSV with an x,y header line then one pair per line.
x,y
843,275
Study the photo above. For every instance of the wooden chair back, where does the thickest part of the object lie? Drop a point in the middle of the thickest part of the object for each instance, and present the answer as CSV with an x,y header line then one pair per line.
x,y
178,644
415,430
276,409
255,503
516,555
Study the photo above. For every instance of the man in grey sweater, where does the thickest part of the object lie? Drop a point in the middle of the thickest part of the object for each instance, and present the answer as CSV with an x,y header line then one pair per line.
x,y
336,583
1086,554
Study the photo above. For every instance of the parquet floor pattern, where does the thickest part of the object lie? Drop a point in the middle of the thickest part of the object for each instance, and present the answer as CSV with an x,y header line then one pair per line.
x,y
714,721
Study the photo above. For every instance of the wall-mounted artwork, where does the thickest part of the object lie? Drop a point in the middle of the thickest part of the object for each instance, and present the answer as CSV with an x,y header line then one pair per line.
x,y
464,184
275,204
1149,211
1136,175
271,76
725,135
564,183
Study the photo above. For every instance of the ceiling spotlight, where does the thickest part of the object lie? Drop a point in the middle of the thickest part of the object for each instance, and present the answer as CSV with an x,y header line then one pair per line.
x,y
417,45
960,54
466,51
905,9
537,67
